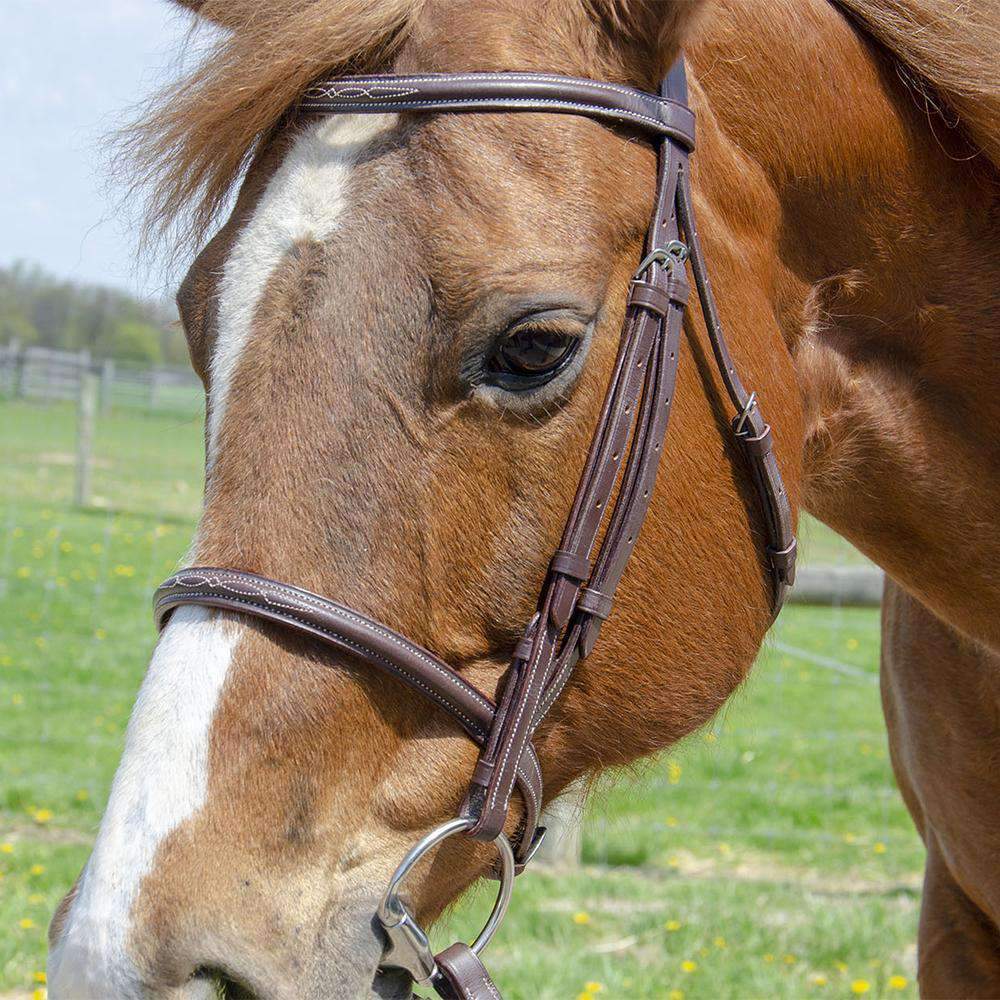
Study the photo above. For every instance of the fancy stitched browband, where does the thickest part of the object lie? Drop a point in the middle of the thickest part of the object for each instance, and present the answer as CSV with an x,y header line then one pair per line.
x,y
578,590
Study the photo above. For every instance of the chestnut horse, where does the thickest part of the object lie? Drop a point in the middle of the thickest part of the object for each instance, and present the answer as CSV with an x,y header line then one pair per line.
x,y
363,442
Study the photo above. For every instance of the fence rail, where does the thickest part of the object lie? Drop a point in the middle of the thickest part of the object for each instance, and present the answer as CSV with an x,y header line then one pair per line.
x,y
47,374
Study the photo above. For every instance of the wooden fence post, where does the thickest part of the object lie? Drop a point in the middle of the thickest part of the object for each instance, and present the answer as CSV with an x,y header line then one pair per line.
x,y
107,384
85,416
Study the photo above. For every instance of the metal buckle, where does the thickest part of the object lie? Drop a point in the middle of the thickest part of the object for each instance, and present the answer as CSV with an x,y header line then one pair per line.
x,y
740,422
668,257
407,946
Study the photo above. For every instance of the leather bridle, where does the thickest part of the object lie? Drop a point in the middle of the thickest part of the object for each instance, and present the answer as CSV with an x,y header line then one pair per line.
x,y
578,590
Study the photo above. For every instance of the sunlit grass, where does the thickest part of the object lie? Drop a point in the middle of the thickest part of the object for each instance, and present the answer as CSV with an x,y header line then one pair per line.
x,y
776,831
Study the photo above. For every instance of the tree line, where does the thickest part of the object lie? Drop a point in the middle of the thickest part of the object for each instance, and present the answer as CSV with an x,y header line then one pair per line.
x,y
37,308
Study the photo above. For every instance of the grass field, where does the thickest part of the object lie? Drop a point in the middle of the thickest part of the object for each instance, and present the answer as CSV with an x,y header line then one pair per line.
x,y
769,856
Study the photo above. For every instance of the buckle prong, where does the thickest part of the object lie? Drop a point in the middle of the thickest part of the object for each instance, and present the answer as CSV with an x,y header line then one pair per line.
x,y
668,257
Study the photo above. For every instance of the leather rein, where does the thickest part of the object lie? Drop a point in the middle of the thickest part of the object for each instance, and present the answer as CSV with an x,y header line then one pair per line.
x,y
577,594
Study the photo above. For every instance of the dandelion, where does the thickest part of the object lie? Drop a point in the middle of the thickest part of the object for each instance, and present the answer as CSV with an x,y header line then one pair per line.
x,y
818,979
593,987
39,977
23,572
769,958
673,925
65,546
688,966
720,943
581,918
849,838
40,993
100,634
675,995
671,821
789,959
585,996
860,986
852,644
879,848
897,982
7,848
17,699
37,869
673,861
42,815
82,795
840,966
674,771
26,923
725,849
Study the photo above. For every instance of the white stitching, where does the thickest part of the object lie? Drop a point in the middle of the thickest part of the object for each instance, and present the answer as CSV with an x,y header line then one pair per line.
x,y
546,77
321,605
468,102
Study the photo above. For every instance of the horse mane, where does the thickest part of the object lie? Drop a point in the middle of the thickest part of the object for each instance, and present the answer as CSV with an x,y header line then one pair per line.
x,y
188,146
948,55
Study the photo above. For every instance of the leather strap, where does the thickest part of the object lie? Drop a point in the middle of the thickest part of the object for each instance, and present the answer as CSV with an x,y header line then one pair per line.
x,y
462,976
577,594
502,92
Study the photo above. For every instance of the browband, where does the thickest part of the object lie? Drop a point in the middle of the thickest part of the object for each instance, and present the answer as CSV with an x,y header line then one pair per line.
x,y
502,92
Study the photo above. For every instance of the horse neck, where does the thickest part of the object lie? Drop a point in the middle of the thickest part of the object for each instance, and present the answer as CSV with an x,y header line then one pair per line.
x,y
883,278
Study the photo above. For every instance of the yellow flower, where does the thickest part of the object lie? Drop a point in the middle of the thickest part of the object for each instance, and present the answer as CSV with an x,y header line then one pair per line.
x,y
879,848
719,942
23,572
769,957
43,815
674,861
26,923
96,548
37,869
673,925
39,977
688,966
123,570
100,634
840,966
82,795
593,987
585,996
39,994
788,959
7,848
674,771
897,982
849,838
852,643
65,546
860,986
675,995
581,918
725,849
17,699
671,821
818,979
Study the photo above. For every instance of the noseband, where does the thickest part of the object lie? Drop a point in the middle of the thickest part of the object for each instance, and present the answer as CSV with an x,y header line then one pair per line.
x,y
578,590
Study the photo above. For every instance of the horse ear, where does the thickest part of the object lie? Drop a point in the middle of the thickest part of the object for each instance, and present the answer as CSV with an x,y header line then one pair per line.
x,y
651,31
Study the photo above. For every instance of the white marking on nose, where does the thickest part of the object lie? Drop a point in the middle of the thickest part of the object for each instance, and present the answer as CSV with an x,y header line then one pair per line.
x,y
305,199
162,780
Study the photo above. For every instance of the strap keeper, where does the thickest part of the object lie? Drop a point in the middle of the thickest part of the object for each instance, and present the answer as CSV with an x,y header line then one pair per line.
x,y
783,562
759,446
646,295
570,564
593,602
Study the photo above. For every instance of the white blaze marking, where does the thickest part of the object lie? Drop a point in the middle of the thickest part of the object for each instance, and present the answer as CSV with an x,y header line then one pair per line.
x,y
162,779
305,199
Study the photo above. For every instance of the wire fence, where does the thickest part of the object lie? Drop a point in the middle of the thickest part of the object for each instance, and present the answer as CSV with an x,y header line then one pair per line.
x,y
790,782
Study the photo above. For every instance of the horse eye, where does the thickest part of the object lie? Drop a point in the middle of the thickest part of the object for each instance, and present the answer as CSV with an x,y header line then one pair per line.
x,y
528,357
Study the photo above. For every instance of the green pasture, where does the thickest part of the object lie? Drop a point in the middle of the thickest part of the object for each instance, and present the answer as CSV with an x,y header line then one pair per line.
x,y
769,856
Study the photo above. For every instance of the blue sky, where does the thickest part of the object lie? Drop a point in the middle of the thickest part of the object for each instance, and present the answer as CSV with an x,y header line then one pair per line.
x,y
69,73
